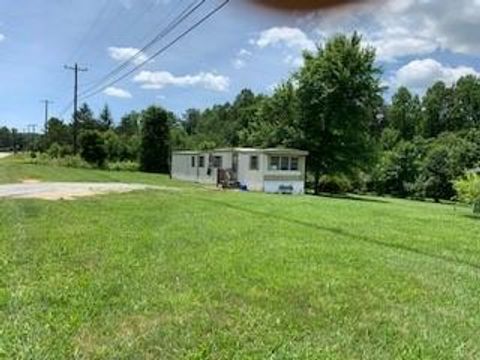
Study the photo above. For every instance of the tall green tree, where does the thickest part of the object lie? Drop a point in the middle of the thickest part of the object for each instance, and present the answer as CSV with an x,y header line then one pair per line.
x,y
215,126
129,124
276,123
191,120
339,91
436,175
242,113
448,157
86,119
106,120
405,113
465,108
5,138
92,147
57,132
436,106
397,171
155,142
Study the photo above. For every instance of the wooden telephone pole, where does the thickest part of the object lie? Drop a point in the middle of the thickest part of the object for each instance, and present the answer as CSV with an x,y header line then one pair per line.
x,y
76,69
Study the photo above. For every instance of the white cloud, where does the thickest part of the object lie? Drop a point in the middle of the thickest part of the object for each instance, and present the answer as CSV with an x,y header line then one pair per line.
x,y
161,79
244,53
117,92
400,28
294,61
240,61
2,37
272,87
127,53
389,49
293,40
420,74
290,37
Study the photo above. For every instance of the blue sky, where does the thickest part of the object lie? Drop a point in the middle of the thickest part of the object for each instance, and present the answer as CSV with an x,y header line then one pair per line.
x,y
418,42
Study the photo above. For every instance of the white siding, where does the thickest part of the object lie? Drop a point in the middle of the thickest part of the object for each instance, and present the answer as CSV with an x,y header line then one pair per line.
x,y
182,167
252,179
262,179
274,186
227,157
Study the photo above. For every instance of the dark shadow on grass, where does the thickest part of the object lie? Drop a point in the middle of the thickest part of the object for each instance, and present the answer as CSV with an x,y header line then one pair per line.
x,y
341,232
473,217
352,198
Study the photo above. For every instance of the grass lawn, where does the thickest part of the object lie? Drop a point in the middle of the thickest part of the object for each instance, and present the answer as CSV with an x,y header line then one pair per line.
x,y
203,274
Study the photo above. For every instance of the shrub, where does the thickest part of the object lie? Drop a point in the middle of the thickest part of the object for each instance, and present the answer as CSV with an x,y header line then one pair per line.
x,y
73,161
54,151
334,184
66,161
92,147
123,166
115,147
435,180
447,159
59,151
131,150
468,190
397,170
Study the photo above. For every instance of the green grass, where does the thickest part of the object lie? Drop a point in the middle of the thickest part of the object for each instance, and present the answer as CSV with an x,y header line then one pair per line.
x,y
201,274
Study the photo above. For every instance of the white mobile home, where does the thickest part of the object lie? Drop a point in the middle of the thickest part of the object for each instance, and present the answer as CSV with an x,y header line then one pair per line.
x,y
269,170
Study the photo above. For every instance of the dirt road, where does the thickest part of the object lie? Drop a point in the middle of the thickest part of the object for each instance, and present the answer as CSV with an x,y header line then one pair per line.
x,y
69,191
4,155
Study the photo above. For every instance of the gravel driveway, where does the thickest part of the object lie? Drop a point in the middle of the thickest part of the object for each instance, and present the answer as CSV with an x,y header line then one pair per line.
x,y
69,191
4,155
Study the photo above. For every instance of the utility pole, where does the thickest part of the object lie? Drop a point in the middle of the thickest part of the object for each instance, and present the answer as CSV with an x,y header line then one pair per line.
x,y
46,102
76,69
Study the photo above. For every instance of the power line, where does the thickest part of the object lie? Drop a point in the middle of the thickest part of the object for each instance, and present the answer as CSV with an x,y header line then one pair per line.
x,y
185,14
153,33
148,9
161,51
65,109
99,52
82,43
175,22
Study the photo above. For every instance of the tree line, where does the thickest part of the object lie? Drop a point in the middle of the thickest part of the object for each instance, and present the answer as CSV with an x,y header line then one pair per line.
x,y
334,107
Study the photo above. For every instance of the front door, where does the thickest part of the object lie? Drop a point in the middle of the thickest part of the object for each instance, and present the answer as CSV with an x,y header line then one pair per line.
x,y
235,165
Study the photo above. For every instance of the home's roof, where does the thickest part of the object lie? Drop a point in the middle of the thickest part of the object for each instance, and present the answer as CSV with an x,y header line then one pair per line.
x,y
187,152
285,151
279,151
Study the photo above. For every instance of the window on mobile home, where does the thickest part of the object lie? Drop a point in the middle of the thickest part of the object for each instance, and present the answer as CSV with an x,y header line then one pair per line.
x,y
201,162
274,163
193,161
218,162
254,162
294,164
284,163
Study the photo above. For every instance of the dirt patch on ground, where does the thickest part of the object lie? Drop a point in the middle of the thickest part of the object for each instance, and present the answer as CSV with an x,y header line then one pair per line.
x,y
4,155
69,191
30,181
